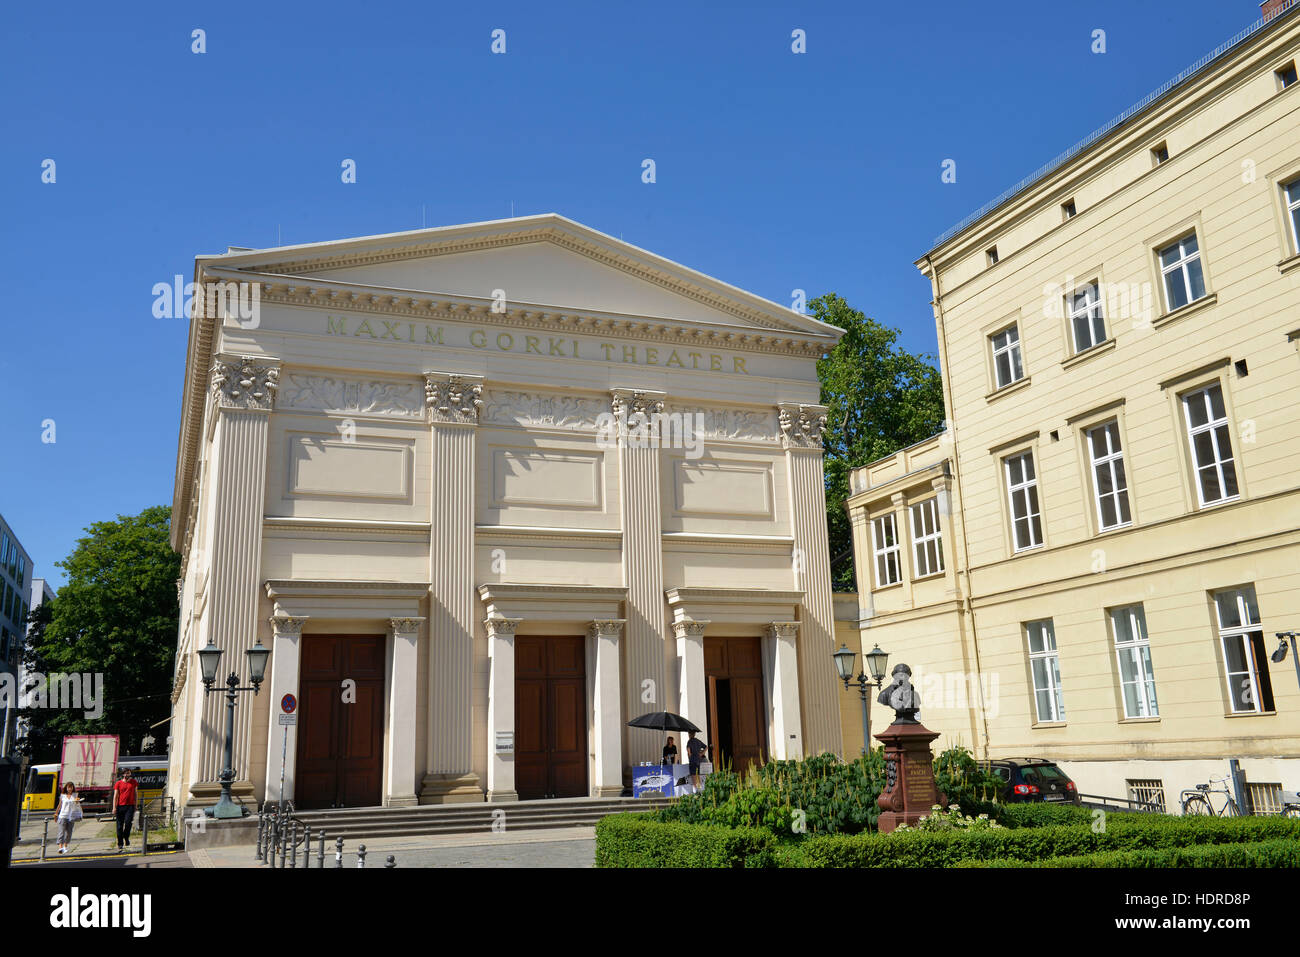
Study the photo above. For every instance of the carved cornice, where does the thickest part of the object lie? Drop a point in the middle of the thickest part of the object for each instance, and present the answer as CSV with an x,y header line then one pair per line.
x,y
453,398
607,628
801,425
342,396
290,626
405,626
182,673
245,382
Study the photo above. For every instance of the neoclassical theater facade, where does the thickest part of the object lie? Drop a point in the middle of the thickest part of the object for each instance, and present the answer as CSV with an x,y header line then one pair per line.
x,y
487,492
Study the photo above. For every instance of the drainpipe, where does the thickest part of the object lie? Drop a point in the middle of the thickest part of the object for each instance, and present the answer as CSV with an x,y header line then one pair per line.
x,y
958,507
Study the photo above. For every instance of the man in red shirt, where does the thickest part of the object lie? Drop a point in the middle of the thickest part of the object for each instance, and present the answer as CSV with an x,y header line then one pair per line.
x,y
124,797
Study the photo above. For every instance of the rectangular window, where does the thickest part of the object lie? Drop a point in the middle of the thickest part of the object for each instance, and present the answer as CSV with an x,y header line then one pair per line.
x,y
1133,652
927,542
1045,666
1068,210
1180,270
1022,490
1146,794
1211,445
1007,367
1291,193
1086,318
1286,76
1263,797
1242,639
1109,482
992,254
884,537
1159,154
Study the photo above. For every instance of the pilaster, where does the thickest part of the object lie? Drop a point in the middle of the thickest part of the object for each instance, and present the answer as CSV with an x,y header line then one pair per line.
x,y
647,626
242,391
692,703
607,709
454,403
282,741
401,787
501,708
801,435
787,736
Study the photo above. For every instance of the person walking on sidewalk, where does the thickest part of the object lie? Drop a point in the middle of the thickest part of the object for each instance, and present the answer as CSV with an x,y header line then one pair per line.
x,y
69,814
124,796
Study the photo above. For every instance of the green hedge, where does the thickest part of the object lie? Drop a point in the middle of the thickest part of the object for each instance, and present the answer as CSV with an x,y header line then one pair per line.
x,y
1044,815
1275,853
636,840
950,848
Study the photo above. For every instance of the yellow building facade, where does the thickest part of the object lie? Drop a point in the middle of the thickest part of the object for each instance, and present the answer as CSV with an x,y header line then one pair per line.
x,y
1090,564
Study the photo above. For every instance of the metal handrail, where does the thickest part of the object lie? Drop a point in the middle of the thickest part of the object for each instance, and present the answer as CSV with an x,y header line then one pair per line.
x,y
1150,807
1128,114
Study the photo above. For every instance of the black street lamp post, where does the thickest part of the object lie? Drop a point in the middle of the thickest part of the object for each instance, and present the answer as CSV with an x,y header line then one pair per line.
x,y
1280,654
209,660
877,662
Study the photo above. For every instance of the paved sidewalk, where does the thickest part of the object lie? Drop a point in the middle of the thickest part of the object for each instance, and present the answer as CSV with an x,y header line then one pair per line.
x,y
91,835
543,847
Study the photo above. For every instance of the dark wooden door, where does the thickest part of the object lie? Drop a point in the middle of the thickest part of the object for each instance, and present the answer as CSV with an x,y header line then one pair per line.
x,y
550,717
340,726
736,715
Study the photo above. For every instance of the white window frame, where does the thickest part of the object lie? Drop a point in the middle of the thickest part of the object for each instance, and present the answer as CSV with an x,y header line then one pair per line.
x,y
1291,199
1181,266
1033,518
1107,463
1241,633
1212,426
1015,358
922,539
1085,304
886,553
1138,651
1051,670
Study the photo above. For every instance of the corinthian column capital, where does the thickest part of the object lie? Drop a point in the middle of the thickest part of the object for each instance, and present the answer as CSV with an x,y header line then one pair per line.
x,y
801,425
245,382
452,398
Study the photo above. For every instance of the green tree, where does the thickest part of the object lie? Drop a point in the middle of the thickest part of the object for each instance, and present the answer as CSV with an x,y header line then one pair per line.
x,y
116,616
880,398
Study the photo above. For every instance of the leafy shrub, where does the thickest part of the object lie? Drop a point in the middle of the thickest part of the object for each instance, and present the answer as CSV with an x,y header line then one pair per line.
x,y
1047,815
967,782
635,840
950,819
1275,853
952,847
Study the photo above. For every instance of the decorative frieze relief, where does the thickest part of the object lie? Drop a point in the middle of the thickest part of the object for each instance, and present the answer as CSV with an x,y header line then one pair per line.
x,y
454,399
246,382
743,424
801,425
319,393
550,410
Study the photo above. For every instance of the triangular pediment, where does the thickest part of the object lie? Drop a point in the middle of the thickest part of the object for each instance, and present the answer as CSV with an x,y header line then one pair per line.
x,y
547,261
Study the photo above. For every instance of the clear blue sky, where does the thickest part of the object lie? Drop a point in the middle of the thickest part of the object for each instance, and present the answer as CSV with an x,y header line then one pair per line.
x,y
775,171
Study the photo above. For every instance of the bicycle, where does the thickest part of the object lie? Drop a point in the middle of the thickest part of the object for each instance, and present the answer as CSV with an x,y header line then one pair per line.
x,y
1290,804
1197,800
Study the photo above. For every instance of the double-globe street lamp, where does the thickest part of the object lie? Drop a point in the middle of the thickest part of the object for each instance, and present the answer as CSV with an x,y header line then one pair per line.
x,y
209,661
1279,655
877,662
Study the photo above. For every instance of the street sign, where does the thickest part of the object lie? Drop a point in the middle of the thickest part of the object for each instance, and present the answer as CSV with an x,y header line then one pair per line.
x,y
288,720
288,704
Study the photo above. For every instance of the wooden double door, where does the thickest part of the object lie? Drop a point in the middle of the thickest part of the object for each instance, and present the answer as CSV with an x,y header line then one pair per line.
x,y
340,721
733,668
550,717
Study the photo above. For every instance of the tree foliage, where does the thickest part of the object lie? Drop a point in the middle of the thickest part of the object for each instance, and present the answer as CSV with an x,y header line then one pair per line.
x,y
880,398
116,616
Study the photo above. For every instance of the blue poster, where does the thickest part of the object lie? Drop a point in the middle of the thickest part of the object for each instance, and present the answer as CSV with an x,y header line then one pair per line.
x,y
652,779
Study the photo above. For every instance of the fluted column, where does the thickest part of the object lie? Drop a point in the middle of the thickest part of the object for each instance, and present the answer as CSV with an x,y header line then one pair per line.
x,y
454,402
787,736
801,434
282,742
692,700
501,708
647,625
607,709
401,789
243,392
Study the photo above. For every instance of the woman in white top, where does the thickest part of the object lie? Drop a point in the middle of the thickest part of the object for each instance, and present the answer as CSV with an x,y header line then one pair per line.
x,y
69,813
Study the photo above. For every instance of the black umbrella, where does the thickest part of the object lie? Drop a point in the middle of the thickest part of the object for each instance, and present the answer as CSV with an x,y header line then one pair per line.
x,y
663,722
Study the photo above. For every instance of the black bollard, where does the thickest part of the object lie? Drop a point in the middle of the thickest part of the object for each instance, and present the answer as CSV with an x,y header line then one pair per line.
x,y
320,857
361,855
293,850
338,852
391,862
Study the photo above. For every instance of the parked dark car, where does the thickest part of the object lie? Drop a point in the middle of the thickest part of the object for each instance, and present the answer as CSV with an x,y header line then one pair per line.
x,y
1033,779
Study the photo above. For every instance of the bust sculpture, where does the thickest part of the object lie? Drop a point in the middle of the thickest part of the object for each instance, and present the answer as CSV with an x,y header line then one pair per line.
x,y
900,695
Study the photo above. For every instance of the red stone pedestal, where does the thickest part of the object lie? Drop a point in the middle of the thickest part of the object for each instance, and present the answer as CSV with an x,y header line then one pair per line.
x,y
910,792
